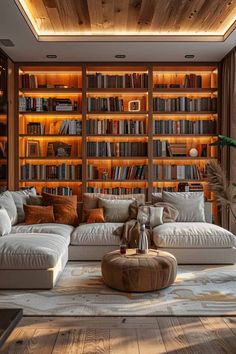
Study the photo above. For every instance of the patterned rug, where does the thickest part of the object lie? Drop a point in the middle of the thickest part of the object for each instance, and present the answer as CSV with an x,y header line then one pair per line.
x,y
198,290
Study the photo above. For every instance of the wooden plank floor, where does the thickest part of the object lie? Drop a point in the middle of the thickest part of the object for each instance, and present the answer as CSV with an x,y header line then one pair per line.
x,y
120,335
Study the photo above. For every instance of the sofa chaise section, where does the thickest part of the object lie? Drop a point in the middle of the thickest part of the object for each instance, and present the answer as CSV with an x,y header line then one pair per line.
x,y
196,242
33,261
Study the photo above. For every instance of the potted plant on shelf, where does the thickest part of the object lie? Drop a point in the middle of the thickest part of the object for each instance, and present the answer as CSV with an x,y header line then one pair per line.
x,y
224,190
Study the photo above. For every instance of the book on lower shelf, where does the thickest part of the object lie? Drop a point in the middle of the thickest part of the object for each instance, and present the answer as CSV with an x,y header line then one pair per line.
x,y
117,149
118,173
176,172
116,190
111,126
185,104
51,172
184,126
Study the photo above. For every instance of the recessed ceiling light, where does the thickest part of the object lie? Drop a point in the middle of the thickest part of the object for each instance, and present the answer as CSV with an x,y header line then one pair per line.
x,y
51,56
189,56
120,56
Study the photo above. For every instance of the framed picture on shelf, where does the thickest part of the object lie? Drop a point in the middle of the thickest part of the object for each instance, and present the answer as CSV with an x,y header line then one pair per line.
x,y
134,106
32,148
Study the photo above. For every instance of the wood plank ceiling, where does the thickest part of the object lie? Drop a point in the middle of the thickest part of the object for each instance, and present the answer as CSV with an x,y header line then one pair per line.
x,y
130,16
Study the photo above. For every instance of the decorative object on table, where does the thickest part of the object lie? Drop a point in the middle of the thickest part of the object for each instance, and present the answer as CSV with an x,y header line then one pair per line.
x,y
32,148
143,239
134,272
134,106
193,152
123,246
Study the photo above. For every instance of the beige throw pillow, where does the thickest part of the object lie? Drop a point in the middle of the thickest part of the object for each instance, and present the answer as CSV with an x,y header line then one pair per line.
x,y
115,210
150,215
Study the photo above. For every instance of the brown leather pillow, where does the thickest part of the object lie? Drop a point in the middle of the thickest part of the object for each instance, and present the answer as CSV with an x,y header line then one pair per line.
x,y
51,199
94,215
38,214
65,214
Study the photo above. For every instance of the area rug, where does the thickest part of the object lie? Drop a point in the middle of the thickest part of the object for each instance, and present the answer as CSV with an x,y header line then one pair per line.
x,y
198,290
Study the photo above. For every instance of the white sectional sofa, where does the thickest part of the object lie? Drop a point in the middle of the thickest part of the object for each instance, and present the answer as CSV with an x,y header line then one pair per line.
x,y
33,256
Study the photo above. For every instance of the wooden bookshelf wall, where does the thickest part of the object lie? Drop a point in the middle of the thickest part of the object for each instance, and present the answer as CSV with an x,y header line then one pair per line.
x,y
71,81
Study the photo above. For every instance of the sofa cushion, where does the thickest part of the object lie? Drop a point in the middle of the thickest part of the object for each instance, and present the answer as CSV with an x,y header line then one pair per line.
x,y
57,229
91,199
36,214
7,202
115,210
5,222
21,198
192,235
190,205
97,234
32,251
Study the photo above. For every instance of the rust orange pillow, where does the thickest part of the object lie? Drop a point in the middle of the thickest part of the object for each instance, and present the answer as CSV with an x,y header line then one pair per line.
x,y
94,215
65,214
38,214
51,199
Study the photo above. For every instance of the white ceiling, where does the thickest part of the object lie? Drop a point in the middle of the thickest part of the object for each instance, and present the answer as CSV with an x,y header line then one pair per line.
x,y
27,48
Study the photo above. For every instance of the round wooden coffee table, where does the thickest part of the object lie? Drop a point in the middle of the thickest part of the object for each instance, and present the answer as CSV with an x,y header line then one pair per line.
x,y
139,272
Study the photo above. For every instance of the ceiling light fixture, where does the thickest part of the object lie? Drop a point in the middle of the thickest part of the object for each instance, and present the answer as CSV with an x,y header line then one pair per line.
x,y
189,56
51,56
120,56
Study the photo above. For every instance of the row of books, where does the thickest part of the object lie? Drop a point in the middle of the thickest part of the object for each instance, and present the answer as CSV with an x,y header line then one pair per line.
x,y
50,104
110,126
105,104
44,172
182,187
118,173
71,127
134,80
162,148
116,190
184,126
35,128
176,172
110,149
28,81
3,172
58,190
185,104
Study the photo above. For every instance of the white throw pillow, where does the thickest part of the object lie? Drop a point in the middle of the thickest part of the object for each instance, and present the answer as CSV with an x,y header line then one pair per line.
x,y
7,202
150,215
21,198
115,210
190,205
5,222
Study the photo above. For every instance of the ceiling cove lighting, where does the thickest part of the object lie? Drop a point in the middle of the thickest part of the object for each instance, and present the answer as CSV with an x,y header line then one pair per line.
x,y
41,20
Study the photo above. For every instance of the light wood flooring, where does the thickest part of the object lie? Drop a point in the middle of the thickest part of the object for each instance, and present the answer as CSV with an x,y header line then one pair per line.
x,y
120,335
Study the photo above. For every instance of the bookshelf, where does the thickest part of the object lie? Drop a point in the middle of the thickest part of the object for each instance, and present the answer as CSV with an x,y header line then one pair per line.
x,y
3,123
123,113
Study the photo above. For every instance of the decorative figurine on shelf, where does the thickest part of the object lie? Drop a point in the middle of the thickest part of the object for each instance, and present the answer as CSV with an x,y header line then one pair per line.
x,y
104,175
193,152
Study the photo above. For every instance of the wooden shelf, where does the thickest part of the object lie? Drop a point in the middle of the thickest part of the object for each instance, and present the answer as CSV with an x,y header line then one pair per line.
x,y
119,135
184,158
51,158
117,113
51,90
117,180
117,90
179,180
185,113
50,113
49,136
185,135
184,90
51,180
117,158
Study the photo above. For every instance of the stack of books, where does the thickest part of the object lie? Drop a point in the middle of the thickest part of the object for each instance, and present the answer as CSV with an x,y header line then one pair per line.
x,y
71,127
184,126
176,172
105,104
41,104
110,126
49,172
185,104
177,149
109,149
134,80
